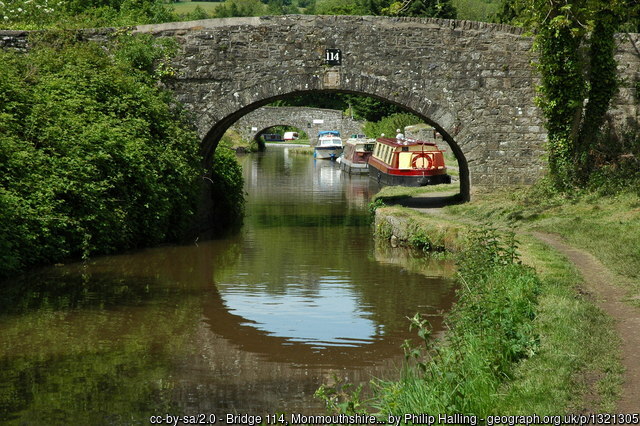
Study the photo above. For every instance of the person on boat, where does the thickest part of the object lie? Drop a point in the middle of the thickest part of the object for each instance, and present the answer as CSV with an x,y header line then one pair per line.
x,y
400,135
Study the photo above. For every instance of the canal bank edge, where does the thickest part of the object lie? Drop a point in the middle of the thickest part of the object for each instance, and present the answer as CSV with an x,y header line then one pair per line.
x,y
568,373
404,227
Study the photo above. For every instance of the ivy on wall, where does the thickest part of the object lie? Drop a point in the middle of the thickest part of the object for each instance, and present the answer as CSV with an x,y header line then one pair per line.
x,y
575,40
576,47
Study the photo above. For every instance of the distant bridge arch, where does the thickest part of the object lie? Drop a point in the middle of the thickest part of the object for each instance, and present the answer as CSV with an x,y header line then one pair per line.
x,y
309,120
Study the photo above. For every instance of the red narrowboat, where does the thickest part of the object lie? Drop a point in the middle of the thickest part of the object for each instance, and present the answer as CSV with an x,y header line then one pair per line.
x,y
407,162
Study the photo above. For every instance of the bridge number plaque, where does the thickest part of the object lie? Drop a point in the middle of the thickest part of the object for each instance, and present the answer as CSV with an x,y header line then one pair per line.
x,y
333,57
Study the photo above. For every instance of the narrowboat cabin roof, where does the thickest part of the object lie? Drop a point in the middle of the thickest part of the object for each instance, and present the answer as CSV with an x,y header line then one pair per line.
x,y
328,133
405,142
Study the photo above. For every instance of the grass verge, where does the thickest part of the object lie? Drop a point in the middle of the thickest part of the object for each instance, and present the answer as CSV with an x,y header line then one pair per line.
x,y
186,7
606,226
516,344
568,374
391,194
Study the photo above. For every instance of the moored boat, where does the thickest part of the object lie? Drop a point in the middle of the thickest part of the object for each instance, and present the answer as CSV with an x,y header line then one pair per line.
x,y
407,162
357,151
329,145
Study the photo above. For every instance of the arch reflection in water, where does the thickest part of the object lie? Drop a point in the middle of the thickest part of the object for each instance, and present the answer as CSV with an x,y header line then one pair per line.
x,y
253,323
307,283
329,317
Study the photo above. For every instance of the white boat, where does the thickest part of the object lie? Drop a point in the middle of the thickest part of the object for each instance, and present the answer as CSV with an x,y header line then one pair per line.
x,y
357,151
329,145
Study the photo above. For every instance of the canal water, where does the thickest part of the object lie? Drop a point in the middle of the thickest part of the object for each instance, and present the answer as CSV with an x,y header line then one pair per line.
x,y
249,324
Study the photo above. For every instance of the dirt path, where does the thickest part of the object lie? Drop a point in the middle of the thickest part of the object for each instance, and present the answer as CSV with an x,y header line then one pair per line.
x,y
600,282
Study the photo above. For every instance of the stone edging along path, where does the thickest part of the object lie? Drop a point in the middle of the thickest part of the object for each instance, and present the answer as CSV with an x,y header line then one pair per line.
x,y
599,281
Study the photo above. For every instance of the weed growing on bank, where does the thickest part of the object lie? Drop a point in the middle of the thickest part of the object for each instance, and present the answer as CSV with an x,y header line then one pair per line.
x,y
491,330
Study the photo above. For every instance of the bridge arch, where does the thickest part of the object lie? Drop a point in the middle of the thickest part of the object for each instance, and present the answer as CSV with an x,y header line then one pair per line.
x,y
306,119
472,81
219,127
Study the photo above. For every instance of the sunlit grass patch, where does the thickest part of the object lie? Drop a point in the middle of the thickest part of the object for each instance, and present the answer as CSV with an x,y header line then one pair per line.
x,y
570,372
185,7
606,226
394,193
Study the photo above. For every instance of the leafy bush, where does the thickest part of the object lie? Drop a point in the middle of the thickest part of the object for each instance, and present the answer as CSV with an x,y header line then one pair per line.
x,y
390,124
92,157
616,164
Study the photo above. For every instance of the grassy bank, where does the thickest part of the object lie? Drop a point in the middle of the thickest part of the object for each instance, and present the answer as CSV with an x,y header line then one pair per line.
x,y
490,330
516,342
186,7
606,226
233,140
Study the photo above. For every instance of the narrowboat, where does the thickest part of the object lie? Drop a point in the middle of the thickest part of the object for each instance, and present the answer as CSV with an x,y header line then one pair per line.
x,y
407,162
329,145
272,137
357,151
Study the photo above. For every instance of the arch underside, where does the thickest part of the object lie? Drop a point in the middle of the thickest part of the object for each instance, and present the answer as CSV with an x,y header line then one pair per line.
x,y
216,119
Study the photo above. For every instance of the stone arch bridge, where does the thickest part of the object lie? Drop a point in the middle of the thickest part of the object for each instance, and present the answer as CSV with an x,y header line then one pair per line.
x,y
472,81
309,120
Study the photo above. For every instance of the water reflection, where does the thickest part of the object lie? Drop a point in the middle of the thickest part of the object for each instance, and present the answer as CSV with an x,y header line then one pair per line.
x,y
295,314
253,323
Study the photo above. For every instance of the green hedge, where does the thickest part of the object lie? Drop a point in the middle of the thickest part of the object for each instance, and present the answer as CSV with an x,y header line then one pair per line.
x,y
93,156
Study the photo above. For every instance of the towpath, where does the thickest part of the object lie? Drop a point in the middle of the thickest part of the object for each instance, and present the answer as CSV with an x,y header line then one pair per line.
x,y
599,281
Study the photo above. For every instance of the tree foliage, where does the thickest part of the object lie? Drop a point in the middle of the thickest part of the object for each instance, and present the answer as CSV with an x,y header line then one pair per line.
x,y
426,8
227,191
362,107
389,125
93,158
576,46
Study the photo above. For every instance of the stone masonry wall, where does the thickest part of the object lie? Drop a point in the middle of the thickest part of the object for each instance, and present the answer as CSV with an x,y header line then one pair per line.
x,y
472,81
299,117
